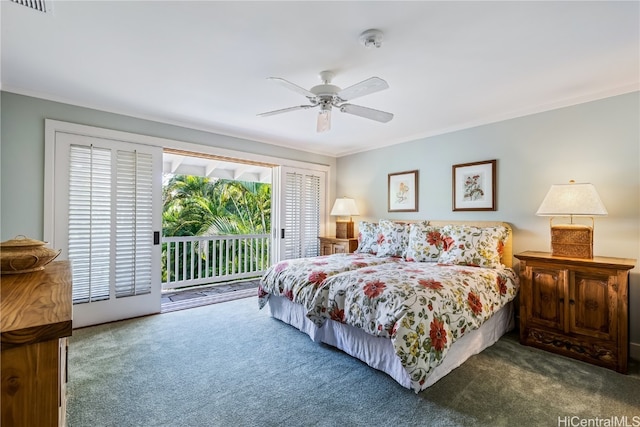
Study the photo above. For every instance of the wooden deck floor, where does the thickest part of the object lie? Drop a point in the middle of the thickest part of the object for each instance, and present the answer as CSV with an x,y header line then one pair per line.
x,y
204,295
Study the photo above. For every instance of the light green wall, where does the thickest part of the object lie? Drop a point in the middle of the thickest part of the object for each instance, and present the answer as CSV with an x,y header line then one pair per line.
x,y
22,153
597,142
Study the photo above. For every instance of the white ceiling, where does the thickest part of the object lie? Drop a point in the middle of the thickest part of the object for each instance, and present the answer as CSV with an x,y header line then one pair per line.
x,y
449,65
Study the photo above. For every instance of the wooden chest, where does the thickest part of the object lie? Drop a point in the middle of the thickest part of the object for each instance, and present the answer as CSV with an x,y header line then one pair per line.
x,y
35,320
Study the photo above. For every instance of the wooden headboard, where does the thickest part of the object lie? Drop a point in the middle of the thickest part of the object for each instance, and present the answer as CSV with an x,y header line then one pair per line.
x,y
507,254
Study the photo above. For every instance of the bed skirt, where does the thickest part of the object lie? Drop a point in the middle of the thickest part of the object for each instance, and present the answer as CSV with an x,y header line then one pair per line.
x,y
378,352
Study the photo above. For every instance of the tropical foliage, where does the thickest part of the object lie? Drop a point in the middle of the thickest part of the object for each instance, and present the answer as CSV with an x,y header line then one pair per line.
x,y
199,206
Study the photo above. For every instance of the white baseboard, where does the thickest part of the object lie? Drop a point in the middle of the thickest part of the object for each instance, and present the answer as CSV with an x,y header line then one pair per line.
x,y
634,351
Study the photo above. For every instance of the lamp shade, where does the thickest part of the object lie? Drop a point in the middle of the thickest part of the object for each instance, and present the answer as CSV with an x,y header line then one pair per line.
x,y
344,207
573,199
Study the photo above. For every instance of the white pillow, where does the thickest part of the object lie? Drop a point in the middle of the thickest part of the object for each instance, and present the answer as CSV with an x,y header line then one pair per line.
x,y
425,242
393,238
473,246
367,237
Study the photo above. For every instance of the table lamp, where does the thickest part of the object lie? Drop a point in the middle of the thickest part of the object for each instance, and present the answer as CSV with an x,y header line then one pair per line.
x,y
344,207
573,199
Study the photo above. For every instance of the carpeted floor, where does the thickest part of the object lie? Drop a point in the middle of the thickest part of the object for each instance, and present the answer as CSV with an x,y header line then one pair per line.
x,y
232,365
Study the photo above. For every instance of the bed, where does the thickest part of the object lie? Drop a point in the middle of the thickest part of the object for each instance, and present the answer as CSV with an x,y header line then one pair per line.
x,y
415,301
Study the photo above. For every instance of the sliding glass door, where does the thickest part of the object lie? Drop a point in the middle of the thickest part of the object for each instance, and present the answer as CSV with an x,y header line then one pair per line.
x,y
301,212
107,218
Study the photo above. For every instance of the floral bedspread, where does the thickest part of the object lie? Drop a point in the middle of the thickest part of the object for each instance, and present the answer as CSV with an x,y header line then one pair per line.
x,y
423,307
298,279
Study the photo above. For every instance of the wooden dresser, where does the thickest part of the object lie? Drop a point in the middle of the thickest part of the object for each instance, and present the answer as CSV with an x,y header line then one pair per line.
x,y
576,307
35,319
332,245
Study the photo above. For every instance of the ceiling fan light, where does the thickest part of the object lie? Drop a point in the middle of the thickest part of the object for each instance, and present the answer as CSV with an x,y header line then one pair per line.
x,y
324,120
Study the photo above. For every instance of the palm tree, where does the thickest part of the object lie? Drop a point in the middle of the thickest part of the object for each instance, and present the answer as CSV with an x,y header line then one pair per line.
x,y
198,206
247,207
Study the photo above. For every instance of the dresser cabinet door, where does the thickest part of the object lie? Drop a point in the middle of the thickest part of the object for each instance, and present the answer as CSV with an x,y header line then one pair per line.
x,y
30,389
340,248
592,304
326,248
547,294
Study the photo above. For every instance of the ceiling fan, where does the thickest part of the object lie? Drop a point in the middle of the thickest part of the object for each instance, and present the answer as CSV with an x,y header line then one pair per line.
x,y
326,96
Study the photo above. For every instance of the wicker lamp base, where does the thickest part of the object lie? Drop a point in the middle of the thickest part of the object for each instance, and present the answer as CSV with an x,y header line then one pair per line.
x,y
572,240
344,230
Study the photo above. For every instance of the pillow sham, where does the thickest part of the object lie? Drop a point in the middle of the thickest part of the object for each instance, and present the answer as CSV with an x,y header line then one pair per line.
x,y
473,246
425,242
393,238
367,237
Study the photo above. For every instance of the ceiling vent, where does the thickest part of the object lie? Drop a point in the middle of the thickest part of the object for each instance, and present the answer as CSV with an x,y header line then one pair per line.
x,y
44,6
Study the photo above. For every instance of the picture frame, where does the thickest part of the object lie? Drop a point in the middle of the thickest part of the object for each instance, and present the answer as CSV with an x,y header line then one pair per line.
x,y
474,186
402,193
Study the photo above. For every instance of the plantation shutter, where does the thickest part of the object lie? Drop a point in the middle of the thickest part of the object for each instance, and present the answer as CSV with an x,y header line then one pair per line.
x,y
134,231
292,221
106,208
311,216
90,222
301,213
91,229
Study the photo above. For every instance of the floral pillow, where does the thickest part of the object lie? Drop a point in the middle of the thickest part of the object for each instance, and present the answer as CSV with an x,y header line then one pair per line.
x,y
367,237
425,242
473,246
393,238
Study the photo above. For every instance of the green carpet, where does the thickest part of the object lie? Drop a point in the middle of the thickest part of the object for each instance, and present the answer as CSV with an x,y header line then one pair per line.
x,y
231,365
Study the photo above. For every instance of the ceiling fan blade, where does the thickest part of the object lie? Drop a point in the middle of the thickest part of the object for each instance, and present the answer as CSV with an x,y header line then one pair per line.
x,y
286,110
367,113
294,87
371,85
324,121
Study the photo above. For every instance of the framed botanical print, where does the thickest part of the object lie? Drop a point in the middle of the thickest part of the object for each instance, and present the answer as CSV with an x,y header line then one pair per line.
x,y
474,186
403,191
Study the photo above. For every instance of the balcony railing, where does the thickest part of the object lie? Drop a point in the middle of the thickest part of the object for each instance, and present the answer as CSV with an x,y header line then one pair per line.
x,y
199,260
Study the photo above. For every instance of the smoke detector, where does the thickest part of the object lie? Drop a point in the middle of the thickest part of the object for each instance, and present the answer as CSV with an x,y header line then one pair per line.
x,y
371,38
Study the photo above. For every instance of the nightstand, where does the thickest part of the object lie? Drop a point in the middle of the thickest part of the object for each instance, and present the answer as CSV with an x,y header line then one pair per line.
x,y
332,245
576,307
